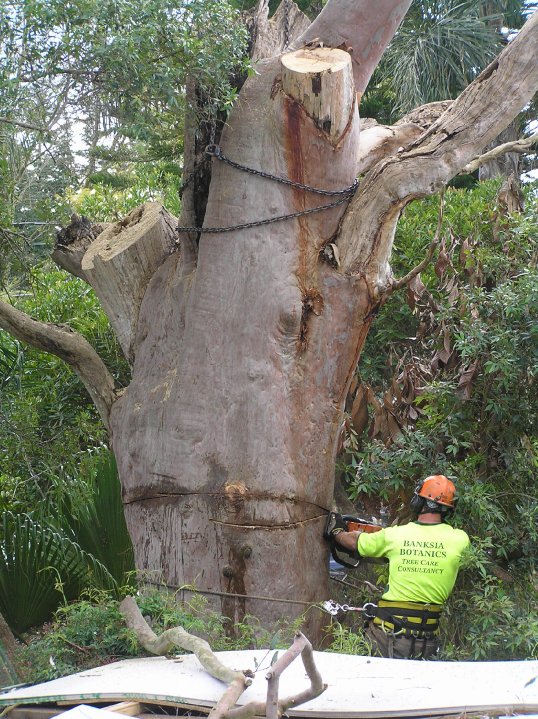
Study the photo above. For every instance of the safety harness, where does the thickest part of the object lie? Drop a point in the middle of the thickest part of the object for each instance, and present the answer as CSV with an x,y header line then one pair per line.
x,y
399,618
417,622
407,618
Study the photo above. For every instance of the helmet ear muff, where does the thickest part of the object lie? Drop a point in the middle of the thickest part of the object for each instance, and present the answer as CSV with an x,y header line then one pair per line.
x,y
447,512
416,503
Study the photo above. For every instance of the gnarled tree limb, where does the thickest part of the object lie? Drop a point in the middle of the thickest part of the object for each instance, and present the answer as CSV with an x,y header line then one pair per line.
x,y
473,120
70,346
275,708
178,637
237,681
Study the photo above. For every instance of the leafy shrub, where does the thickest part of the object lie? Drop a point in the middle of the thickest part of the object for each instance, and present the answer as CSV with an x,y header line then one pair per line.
x,y
48,424
91,632
455,371
40,567
109,198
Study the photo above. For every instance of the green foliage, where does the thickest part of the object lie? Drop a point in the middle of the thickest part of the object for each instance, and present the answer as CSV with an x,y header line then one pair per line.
x,y
91,632
47,421
94,516
82,543
439,49
120,69
121,59
464,353
39,567
54,465
491,621
345,640
108,198
83,634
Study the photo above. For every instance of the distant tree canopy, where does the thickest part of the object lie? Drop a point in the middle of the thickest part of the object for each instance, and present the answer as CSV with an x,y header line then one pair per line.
x,y
86,86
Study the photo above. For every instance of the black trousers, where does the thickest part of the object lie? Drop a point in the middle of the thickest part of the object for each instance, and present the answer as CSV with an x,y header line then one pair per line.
x,y
400,646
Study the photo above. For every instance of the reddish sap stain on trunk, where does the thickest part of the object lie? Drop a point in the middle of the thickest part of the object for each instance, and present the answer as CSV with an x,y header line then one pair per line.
x,y
292,136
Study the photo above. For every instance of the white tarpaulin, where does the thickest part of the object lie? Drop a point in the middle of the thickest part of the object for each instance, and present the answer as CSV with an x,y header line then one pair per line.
x,y
358,686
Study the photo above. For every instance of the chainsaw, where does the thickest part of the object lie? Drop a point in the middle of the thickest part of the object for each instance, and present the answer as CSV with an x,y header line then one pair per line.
x,y
353,524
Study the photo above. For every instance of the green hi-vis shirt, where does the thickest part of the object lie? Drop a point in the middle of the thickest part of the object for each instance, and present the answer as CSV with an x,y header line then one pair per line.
x,y
423,560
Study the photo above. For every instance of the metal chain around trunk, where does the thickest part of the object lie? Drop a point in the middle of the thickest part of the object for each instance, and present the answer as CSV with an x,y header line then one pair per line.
x,y
343,195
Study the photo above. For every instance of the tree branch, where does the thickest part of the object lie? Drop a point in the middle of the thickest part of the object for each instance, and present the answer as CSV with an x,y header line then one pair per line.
x,y
25,125
520,146
398,284
273,709
70,346
353,26
380,141
478,116
237,681
178,637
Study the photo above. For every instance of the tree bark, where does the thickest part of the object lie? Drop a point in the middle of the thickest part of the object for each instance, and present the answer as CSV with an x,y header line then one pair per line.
x,y
230,358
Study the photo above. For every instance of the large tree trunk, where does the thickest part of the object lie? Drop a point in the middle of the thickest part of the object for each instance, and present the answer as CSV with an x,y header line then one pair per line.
x,y
226,436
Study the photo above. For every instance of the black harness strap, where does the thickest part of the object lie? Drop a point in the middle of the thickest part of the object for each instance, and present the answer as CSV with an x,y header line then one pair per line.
x,y
399,618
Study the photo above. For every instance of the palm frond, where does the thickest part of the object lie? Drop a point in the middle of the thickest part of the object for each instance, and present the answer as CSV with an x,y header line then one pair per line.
x,y
98,524
440,48
40,568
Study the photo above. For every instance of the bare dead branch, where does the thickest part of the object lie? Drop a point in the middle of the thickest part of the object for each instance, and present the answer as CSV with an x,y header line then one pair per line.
x,y
317,686
520,146
273,708
229,698
25,125
398,284
70,346
178,637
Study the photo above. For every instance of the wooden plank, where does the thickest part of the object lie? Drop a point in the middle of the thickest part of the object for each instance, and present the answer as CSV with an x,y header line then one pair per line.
x,y
34,712
131,709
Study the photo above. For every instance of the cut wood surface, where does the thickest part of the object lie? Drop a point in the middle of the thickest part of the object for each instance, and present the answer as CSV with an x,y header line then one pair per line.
x,y
321,81
122,260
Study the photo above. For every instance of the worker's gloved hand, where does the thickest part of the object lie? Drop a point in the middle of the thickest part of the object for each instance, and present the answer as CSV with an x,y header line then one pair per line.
x,y
335,524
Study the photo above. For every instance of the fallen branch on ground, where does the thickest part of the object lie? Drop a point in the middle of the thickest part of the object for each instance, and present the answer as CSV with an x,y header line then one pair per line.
x,y
237,682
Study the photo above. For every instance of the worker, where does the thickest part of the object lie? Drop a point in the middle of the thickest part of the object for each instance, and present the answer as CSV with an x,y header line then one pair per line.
x,y
424,557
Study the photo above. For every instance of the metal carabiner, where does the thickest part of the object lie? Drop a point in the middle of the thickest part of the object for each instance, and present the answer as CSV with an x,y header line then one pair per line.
x,y
331,607
367,614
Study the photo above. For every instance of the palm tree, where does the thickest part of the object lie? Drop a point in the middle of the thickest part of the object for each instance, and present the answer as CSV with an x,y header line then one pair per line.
x,y
439,49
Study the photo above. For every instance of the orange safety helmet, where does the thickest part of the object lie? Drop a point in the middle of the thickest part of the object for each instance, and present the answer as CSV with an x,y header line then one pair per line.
x,y
438,488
